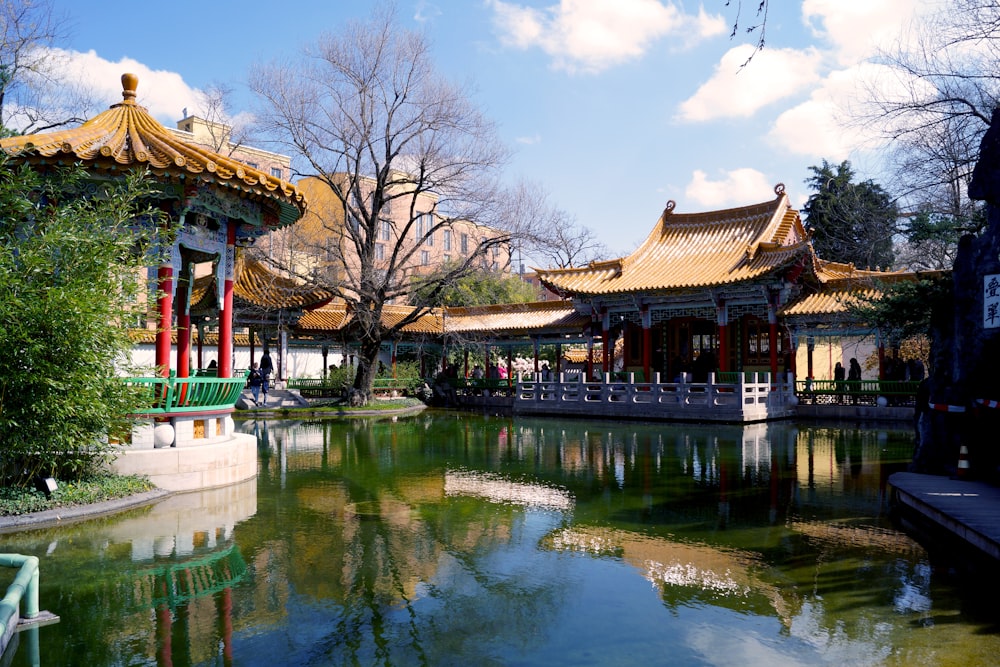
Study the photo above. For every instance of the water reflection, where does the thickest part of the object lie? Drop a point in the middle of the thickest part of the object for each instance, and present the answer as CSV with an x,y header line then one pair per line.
x,y
444,539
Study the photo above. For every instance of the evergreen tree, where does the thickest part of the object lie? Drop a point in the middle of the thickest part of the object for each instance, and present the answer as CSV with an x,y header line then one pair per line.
x,y
850,222
71,255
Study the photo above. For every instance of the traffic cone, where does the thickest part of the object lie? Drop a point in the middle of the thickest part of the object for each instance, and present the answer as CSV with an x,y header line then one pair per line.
x,y
963,463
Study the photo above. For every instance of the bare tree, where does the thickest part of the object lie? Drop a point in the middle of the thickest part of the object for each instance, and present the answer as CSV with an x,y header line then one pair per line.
x,y
933,101
33,95
554,237
405,157
758,25
227,134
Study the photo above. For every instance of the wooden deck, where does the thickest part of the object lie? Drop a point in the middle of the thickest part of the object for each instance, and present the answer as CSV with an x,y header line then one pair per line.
x,y
969,510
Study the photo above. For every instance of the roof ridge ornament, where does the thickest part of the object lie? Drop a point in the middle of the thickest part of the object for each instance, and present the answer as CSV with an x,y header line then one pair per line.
x,y
671,205
779,189
129,84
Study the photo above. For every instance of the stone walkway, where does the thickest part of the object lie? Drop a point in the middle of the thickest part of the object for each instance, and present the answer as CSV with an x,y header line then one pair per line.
x,y
970,510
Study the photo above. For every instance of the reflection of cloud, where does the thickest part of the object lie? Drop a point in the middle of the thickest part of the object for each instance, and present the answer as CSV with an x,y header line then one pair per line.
x,y
593,35
496,489
722,573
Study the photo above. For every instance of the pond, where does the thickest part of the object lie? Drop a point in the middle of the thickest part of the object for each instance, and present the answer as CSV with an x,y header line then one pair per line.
x,y
456,539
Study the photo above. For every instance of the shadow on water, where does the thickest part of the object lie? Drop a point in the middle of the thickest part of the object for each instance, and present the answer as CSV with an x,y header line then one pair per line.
x,y
446,538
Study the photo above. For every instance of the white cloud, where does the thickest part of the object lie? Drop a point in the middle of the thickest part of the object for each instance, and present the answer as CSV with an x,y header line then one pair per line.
x,y
529,141
736,91
739,186
163,93
856,29
593,35
827,125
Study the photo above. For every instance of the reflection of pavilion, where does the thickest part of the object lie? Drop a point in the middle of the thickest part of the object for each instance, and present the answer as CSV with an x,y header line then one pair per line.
x,y
682,570
185,564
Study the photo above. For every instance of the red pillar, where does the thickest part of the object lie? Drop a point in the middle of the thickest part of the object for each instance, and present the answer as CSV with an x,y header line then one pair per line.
x,y
201,337
647,346
605,337
722,321
184,323
772,339
165,303
590,357
881,358
226,316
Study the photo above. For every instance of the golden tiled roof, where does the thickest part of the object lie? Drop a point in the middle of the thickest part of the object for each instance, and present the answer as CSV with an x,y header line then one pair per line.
x,y
697,250
554,316
257,284
148,337
841,284
335,316
126,135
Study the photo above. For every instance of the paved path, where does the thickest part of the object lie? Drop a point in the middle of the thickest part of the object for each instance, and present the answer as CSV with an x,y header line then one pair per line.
x,y
968,509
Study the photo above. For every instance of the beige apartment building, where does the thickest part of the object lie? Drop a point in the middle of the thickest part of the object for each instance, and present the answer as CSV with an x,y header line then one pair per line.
x,y
320,241
218,137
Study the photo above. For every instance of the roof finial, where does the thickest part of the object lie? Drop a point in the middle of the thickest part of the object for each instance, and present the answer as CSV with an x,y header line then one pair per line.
x,y
779,189
129,83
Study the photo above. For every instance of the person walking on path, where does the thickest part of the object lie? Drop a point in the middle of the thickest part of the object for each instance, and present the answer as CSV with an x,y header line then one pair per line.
x,y
266,367
255,382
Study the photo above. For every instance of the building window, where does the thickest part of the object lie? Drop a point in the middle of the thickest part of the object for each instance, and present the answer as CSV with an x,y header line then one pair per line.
x,y
447,239
758,343
425,257
276,172
385,230
252,165
379,251
465,244
447,258
430,238
420,226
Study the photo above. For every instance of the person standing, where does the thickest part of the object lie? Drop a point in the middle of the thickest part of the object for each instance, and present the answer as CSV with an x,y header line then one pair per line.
x,y
838,380
854,379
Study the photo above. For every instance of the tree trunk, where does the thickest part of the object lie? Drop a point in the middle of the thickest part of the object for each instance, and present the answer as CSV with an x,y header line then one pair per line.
x,y
361,393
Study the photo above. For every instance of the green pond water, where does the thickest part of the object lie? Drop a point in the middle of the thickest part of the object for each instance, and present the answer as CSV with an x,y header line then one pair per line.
x,y
456,539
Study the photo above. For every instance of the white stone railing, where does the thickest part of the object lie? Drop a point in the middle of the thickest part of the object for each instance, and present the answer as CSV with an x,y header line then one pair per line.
x,y
750,397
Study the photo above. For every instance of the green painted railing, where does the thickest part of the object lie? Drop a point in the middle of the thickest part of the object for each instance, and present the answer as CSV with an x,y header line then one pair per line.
x,y
192,394
320,388
24,589
897,392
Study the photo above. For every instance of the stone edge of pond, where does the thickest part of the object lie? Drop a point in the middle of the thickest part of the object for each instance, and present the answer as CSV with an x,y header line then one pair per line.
x,y
255,413
77,512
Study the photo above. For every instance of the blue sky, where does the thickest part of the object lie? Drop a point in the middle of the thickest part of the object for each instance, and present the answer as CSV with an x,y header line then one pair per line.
x,y
613,106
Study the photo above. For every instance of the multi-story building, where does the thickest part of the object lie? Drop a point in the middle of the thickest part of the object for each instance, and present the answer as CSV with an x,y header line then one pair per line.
x,y
218,137
412,238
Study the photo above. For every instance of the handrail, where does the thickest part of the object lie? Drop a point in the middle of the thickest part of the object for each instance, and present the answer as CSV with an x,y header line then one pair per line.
x,y
191,394
24,587
859,387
